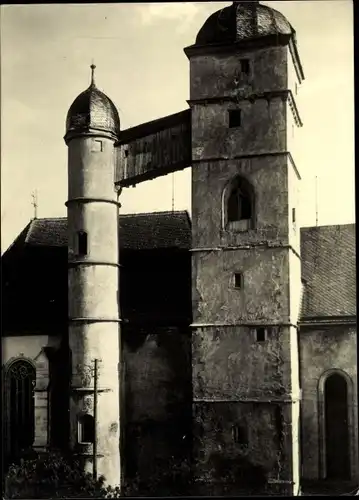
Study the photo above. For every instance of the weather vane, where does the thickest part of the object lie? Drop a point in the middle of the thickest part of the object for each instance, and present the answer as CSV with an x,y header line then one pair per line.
x,y
34,202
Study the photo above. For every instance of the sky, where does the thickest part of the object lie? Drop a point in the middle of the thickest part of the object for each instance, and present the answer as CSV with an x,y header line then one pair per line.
x,y
46,51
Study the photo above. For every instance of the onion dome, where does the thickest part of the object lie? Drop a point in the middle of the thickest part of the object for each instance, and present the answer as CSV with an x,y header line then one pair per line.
x,y
92,112
242,21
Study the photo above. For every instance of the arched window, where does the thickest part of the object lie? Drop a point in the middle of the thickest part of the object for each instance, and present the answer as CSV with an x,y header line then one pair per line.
x,y
20,381
238,205
336,426
86,429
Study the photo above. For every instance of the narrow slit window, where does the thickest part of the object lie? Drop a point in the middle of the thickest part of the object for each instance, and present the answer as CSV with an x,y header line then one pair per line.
x,y
245,66
238,435
86,429
235,118
261,334
238,280
82,242
293,215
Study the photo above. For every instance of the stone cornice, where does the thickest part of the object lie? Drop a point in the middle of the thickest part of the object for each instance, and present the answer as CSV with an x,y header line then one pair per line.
x,y
288,399
246,324
77,263
88,389
80,200
296,59
294,109
89,132
285,95
247,246
95,320
251,155
233,47
252,44
294,165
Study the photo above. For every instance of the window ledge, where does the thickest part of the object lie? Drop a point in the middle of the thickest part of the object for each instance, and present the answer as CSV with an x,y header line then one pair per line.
x,y
239,225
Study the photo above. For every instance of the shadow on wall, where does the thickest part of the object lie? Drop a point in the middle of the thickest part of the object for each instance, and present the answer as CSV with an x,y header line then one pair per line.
x,y
238,472
158,410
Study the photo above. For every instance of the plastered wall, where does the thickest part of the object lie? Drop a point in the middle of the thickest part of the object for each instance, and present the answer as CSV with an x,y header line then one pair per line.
x,y
321,350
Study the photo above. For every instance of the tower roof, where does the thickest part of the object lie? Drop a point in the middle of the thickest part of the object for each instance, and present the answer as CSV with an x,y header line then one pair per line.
x,y
92,111
242,21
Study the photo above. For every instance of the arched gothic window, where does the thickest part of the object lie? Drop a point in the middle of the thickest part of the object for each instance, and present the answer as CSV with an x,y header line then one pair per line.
x,y
238,205
20,379
336,426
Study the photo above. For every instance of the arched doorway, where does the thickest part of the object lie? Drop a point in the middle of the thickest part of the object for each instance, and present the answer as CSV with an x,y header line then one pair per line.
x,y
336,428
20,381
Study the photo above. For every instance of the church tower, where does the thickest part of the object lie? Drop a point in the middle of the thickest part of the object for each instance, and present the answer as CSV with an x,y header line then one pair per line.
x,y
92,128
246,281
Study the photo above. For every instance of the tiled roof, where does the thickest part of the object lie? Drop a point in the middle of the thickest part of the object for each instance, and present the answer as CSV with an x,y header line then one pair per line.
x,y
138,231
328,271
328,254
241,21
92,109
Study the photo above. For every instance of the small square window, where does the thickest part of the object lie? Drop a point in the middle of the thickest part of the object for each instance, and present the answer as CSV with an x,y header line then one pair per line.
x,y
97,146
245,66
86,429
235,118
238,280
261,334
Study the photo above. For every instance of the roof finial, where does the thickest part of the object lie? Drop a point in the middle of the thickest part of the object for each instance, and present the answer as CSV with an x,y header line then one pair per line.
x,y
93,67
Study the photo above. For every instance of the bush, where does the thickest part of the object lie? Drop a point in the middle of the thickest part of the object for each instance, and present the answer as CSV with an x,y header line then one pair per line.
x,y
53,476
167,478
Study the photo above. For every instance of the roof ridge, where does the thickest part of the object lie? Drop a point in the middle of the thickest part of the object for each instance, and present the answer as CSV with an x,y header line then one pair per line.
x,y
139,214
49,218
162,212
24,233
31,225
